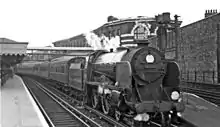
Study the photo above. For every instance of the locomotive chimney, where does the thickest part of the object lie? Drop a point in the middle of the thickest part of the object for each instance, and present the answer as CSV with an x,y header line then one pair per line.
x,y
111,18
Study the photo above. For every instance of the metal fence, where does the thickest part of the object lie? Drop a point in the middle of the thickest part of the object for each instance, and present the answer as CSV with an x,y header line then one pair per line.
x,y
209,76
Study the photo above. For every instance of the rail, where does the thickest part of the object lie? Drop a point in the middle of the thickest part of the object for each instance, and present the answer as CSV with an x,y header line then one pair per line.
x,y
202,80
86,108
58,111
211,96
46,117
100,115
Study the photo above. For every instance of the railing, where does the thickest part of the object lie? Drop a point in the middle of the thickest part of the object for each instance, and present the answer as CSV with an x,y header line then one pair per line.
x,y
208,76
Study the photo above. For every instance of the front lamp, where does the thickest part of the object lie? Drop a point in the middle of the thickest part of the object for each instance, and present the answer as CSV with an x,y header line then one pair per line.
x,y
149,58
175,95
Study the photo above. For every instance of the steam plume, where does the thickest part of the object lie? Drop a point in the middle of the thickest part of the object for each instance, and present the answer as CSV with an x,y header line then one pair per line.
x,y
102,42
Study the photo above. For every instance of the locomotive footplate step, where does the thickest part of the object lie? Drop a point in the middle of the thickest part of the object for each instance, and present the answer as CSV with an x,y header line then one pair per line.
x,y
18,109
201,112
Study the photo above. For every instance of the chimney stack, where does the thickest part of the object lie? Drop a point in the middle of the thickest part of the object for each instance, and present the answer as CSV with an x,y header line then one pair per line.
x,y
210,12
111,18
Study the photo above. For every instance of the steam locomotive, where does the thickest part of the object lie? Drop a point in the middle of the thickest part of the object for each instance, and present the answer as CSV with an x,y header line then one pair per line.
x,y
134,82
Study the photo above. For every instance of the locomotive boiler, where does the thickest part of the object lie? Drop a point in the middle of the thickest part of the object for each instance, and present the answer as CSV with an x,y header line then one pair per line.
x,y
135,82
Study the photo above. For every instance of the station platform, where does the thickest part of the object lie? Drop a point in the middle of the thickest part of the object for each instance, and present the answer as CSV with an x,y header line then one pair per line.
x,y
201,112
18,108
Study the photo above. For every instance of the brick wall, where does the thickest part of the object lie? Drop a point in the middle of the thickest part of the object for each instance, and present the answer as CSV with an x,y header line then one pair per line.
x,y
198,44
197,49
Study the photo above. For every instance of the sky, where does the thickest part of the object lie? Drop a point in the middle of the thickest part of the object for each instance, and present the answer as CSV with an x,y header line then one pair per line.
x,y
41,22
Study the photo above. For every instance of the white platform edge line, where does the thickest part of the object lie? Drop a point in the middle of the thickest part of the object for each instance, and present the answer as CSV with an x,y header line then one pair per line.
x,y
202,99
37,110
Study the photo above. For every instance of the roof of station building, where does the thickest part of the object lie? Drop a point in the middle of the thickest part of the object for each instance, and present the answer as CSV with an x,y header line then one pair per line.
x,y
10,47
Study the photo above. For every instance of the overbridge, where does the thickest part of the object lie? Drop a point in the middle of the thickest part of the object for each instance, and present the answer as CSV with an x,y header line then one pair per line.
x,y
48,53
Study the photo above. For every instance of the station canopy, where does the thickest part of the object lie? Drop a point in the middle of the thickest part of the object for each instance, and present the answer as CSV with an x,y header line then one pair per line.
x,y
12,52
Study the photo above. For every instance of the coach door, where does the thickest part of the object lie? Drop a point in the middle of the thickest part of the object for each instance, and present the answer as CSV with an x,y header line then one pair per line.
x,y
76,73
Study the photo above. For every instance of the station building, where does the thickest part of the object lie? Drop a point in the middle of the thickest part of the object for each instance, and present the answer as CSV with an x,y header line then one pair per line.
x,y
196,46
113,27
76,41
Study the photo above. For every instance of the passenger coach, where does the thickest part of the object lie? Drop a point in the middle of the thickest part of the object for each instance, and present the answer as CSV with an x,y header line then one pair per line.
x,y
70,71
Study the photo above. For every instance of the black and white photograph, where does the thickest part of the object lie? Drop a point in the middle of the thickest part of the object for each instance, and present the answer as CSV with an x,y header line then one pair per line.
x,y
109,63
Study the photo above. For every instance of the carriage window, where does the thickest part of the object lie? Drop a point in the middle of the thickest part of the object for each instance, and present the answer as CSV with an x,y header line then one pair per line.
x,y
62,69
78,63
75,66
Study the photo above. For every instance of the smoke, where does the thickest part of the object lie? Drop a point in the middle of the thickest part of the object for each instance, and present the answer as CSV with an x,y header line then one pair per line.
x,y
102,42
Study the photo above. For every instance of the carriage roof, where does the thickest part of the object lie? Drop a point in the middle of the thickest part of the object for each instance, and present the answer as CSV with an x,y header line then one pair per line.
x,y
65,59
30,64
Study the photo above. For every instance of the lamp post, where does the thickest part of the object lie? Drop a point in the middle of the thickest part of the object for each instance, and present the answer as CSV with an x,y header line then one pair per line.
x,y
176,35
165,23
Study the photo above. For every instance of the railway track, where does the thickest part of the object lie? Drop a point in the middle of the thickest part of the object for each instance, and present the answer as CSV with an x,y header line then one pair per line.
x,y
211,96
110,121
201,86
96,115
56,111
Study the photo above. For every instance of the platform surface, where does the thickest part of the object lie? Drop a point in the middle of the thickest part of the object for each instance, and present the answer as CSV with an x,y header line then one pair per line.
x,y
17,106
201,112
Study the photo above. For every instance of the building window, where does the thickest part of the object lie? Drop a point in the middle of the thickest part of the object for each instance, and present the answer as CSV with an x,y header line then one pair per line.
x,y
118,32
110,34
173,39
79,43
113,33
169,40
